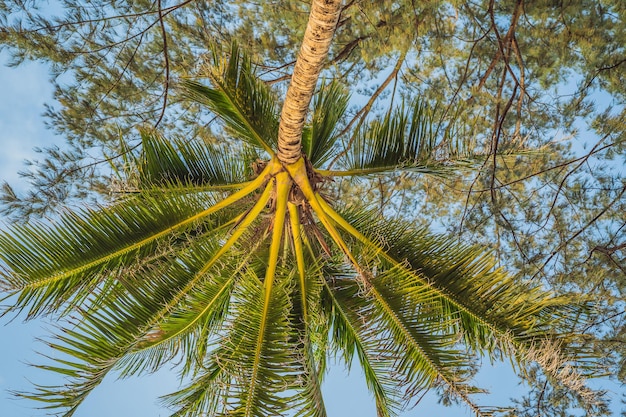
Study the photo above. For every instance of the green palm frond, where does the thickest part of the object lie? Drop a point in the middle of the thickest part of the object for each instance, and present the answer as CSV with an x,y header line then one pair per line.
x,y
329,105
254,370
118,331
49,264
204,395
405,139
256,353
243,102
188,165
495,310
435,275
423,340
191,317
413,338
351,334
94,346
309,400
310,331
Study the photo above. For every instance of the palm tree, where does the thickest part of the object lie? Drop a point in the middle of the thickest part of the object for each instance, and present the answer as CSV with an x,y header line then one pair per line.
x,y
236,262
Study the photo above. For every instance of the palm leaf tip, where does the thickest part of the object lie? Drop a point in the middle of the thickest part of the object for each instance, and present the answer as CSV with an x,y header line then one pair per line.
x,y
400,138
244,103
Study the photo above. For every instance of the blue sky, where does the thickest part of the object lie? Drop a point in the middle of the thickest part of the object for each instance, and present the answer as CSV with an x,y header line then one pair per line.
x,y
25,90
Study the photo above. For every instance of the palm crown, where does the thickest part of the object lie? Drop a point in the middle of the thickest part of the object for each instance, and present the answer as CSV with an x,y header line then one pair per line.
x,y
239,264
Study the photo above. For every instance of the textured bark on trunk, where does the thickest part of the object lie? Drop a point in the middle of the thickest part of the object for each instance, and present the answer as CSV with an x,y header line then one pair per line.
x,y
317,37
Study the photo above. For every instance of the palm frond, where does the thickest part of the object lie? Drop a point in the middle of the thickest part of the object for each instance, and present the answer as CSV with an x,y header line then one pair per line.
x,y
189,165
277,355
500,317
49,264
94,346
418,340
308,400
113,329
329,105
352,334
205,395
406,139
310,326
423,340
190,319
258,353
497,313
243,102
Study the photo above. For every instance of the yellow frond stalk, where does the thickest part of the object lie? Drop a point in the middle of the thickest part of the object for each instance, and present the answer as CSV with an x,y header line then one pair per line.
x,y
296,233
250,217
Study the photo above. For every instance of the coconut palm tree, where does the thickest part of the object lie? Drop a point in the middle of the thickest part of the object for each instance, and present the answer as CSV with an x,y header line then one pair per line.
x,y
235,261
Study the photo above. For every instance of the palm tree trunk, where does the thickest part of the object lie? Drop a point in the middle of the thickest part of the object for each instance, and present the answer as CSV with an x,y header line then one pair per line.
x,y
317,37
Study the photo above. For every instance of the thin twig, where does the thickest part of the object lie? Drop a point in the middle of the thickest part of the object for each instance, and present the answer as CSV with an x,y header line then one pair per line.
x,y
562,183
552,168
585,227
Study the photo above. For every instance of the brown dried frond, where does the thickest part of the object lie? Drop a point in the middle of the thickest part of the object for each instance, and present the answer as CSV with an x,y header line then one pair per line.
x,y
549,355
